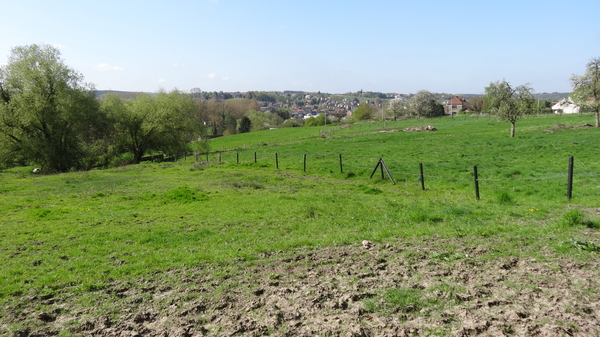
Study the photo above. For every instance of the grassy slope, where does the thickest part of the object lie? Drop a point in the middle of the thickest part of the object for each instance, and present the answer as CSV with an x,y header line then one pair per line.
x,y
88,228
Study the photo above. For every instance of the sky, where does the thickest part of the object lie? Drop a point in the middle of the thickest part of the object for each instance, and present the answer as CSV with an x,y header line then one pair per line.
x,y
332,46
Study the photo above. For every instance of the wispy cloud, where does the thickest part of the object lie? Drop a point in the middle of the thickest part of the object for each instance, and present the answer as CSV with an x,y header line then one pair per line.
x,y
211,76
179,65
161,80
226,78
106,67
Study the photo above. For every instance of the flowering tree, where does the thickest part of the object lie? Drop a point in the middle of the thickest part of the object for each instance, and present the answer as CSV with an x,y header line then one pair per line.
x,y
509,103
586,88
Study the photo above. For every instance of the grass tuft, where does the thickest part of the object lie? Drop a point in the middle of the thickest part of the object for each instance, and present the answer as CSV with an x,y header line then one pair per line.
x,y
183,195
577,218
504,198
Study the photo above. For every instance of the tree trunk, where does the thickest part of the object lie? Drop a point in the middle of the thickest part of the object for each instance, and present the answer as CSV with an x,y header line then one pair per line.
x,y
137,156
512,129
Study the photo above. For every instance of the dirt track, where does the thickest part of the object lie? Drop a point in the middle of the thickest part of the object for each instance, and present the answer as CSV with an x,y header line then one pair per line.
x,y
397,289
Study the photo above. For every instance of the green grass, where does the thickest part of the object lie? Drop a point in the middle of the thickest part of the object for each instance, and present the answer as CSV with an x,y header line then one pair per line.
x,y
89,228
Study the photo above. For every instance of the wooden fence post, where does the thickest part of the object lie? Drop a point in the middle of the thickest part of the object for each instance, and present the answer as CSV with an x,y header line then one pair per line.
x,y
341,167
476,182
422,177
305,163
570,179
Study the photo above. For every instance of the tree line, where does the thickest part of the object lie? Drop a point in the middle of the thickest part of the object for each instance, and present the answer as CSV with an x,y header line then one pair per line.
x,y
49,117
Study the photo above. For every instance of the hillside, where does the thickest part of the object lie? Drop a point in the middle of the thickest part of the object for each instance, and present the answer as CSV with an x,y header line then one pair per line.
x,y
238,245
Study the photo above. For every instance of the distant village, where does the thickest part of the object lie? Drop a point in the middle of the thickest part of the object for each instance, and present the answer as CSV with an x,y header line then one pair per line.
x,y
227,113
307,104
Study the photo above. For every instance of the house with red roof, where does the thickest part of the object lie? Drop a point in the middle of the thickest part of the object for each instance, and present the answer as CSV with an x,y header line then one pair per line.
x,y
455,105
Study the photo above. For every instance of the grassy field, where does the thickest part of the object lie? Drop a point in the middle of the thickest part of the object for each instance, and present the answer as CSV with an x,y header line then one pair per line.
x,y
84,230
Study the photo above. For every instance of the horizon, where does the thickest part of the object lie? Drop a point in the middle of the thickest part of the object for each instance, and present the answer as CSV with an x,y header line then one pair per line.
x,y
322,92
333,46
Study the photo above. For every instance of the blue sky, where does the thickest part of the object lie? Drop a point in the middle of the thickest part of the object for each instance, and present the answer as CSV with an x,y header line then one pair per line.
x,y
328,45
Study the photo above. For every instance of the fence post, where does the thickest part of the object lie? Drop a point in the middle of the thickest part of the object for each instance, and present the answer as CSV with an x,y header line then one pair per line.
x,y
207,157
276,161
237,157
570,179
476,182
422,177
341,167
305,163
219,157
254,157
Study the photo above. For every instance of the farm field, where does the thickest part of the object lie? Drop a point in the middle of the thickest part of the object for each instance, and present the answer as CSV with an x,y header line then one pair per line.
x,y
233,246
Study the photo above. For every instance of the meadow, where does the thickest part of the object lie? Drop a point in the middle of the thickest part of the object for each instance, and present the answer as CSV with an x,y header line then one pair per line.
x,y
83,231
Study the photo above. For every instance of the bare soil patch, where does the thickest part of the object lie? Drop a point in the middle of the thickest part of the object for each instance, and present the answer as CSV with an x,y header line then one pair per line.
x,y
426,286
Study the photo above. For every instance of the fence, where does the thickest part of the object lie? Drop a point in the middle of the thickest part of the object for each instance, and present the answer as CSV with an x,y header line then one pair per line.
x,y
421,177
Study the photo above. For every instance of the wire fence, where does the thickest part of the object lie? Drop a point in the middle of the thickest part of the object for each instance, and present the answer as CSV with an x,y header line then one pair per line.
x,y
350,164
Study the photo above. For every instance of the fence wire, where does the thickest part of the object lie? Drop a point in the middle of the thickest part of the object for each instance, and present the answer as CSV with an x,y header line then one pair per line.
x,y
496,182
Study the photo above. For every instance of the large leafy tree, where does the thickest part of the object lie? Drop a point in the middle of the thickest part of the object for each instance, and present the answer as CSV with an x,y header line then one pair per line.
x,y
509,103
48,114
586,88
165,122
364,112
424,103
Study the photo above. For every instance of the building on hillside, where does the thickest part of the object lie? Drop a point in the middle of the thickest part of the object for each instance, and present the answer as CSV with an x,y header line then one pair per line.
x,y
566,106
455,105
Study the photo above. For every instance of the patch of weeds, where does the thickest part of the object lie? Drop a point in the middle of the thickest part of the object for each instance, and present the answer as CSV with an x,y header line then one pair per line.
x,y
508,330
448,256
98,195
146,196
370,190
458,210
577,218
183,195
197,167
253,185
513,173
256,165
460,231
312,212
582,245
93,287
406,300
350,174
504,198
418,217
42,213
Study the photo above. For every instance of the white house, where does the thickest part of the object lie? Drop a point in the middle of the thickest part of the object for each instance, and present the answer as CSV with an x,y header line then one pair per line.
x,y
566,106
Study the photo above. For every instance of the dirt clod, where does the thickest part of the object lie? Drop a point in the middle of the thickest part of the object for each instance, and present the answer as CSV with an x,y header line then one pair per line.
x,y
367,244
